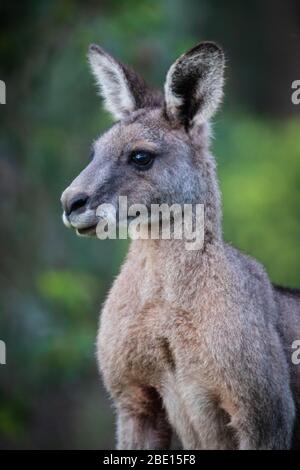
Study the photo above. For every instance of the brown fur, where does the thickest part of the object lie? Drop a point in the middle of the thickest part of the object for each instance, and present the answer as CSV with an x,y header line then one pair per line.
x,y
194,341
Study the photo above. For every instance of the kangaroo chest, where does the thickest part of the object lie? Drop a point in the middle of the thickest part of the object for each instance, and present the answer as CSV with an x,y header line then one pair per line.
x,y
135,347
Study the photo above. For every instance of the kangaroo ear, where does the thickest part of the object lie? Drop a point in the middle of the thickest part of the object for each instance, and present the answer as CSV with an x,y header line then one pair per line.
x,y
194,85
122,89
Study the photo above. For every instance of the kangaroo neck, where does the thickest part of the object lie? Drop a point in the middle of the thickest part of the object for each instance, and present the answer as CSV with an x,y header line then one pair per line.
x,y
179,273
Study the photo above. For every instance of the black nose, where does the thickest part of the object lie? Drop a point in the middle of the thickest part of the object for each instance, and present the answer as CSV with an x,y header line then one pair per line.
x,y
78,201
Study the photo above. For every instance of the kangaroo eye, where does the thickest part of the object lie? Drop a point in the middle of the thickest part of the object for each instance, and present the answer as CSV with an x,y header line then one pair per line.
x,y
142,159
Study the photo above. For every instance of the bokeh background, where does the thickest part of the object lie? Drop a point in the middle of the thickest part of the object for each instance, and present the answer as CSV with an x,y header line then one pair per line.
x,y
53,283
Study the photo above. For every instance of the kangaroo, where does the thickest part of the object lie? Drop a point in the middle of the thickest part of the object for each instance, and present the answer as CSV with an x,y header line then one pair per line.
x,y
192,341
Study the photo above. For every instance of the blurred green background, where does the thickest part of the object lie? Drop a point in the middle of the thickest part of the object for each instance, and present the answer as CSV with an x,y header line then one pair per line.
x,y
53,283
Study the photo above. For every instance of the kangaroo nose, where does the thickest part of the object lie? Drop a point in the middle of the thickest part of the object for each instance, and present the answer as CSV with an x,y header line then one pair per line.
x,y
76,202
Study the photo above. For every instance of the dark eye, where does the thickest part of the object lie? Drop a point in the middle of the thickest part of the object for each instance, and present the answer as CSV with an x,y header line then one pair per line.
x,y
92,154
142,159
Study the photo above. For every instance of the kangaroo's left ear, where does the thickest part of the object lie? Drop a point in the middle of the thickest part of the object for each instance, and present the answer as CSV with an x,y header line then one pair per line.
x,y
123,90
194,85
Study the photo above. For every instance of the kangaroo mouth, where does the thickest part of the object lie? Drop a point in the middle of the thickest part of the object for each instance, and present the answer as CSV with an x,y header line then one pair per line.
x,y
84,224
87,231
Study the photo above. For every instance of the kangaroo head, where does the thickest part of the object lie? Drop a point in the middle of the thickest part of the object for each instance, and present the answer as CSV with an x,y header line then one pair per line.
x,y
156,152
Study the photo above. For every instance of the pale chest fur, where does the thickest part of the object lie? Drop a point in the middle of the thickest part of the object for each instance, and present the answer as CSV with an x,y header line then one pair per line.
x,y
153,324
133,342
143,336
